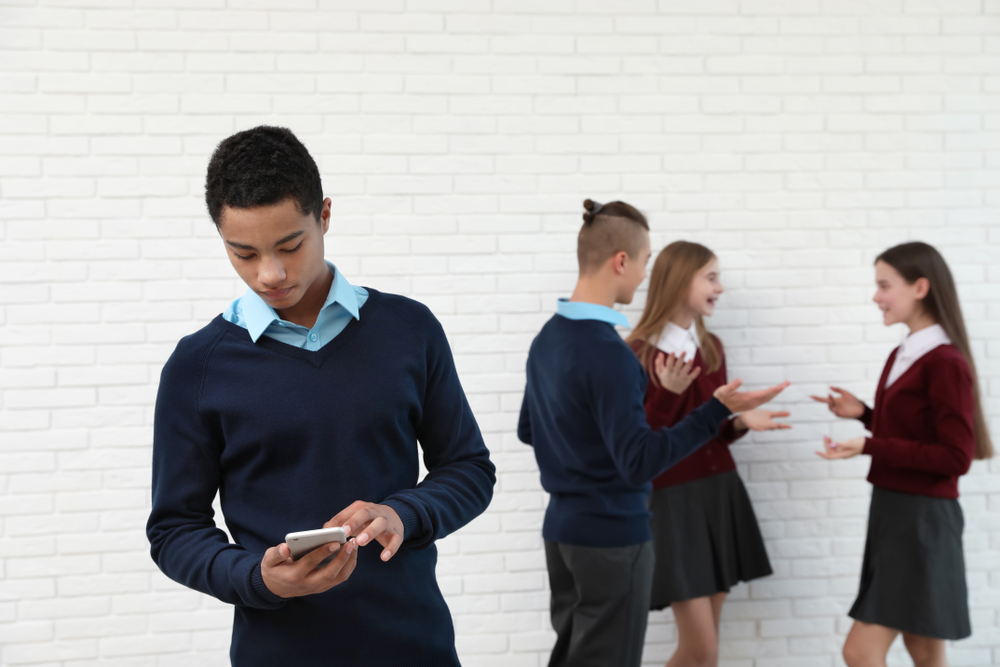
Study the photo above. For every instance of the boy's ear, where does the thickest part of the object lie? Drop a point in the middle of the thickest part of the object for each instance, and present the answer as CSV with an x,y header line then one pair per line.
x,y
618,262
324,215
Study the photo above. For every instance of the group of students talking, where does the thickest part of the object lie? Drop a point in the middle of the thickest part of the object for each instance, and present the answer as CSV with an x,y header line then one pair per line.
x,y
647,509
303,403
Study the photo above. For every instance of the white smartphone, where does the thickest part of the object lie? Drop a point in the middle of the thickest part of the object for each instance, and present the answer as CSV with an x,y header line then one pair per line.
x,y
303,542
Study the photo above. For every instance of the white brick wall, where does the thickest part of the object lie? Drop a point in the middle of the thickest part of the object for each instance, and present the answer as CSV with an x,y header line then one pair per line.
x,y
457,139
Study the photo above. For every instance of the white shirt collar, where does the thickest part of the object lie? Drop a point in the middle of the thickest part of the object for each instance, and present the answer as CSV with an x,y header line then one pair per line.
x,y
916,345
920,343
682,342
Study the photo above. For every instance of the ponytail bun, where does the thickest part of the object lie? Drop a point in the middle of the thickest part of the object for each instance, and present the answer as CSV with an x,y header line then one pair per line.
x,y
592,209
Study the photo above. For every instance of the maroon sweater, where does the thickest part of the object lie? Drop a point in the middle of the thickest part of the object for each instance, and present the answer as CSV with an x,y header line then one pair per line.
x,y
922,426
665,408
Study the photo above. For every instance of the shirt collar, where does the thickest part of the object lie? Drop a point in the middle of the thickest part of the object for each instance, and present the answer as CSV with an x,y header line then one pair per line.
x,y
920,343
258,315
582,310
675,339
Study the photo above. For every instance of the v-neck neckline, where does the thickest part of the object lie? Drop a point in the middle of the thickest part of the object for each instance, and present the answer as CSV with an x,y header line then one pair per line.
x,y
313,357
882,391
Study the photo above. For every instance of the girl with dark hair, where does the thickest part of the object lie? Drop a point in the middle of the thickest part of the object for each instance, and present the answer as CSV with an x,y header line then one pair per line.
x,y
705,533
927,426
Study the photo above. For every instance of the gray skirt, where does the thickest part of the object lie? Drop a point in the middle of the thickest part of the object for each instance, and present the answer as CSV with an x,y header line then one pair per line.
x,y
913,573
706,539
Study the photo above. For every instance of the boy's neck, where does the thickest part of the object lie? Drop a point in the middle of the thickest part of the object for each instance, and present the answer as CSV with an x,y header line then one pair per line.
x,y
594,288
306,311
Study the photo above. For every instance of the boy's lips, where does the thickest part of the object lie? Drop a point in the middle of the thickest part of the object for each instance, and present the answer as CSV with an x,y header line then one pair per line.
x,y
276,295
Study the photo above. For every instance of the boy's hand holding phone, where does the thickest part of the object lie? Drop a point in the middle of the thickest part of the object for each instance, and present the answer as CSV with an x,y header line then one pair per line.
x,y
370,521
289,578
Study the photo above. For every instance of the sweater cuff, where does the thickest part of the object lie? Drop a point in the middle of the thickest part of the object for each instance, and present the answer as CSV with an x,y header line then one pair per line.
x,y
717,411
268,599
866,417
411,522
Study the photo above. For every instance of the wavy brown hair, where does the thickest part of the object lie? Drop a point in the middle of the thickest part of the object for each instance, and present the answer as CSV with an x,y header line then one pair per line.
x,y
916,260
669,286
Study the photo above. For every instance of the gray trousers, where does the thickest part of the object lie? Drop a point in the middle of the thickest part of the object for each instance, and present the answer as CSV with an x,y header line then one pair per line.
x,y
600,603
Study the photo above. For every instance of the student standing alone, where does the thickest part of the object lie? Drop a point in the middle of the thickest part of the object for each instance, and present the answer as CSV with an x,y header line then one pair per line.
x,y
305,400
926,427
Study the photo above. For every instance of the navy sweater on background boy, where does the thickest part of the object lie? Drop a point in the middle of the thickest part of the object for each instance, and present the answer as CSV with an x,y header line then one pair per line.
x,y
583,413
289,437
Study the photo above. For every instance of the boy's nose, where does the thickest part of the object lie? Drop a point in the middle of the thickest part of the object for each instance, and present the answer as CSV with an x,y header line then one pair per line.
x,y
271,273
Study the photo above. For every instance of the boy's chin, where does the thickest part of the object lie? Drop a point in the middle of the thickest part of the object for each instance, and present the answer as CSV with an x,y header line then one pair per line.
x,y
281,304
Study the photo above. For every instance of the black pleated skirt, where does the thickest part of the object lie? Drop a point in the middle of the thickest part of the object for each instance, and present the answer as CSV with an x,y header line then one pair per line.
x,y
913,573
706,539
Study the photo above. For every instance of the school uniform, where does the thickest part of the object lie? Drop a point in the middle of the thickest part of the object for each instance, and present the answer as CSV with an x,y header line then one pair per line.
x,y
922,440
290,425
705,532
583,414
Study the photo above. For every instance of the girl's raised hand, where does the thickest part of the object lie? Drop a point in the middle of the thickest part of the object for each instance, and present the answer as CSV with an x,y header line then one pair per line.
x,y
842,450
846,405
673,374
760,420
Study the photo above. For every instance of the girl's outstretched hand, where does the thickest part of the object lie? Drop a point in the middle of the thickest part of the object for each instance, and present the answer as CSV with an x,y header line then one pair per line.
x,y
842,450
760,420
846,405
675,375
741,401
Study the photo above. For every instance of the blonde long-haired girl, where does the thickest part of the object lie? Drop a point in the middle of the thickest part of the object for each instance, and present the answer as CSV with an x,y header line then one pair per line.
x,y
705,532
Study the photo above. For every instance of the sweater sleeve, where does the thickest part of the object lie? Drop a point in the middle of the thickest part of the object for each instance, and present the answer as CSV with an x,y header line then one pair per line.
x,y
184,540
640,453
524,420
866,418
950,391
460,478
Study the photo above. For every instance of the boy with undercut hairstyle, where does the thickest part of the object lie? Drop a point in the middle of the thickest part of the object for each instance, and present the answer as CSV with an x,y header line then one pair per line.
x,y
583,413
303,401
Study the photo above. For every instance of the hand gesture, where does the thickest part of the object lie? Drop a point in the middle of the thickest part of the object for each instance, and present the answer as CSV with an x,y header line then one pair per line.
x,y
289,578
741,401
846,405
842,450
675,375
371,521
760,420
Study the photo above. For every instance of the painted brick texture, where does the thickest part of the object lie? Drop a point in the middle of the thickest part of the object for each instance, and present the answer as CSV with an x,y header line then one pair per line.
x,y
458,140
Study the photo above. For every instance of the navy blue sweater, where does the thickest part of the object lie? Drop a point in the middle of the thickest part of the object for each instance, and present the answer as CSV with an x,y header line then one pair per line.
x,y
289,438
583,413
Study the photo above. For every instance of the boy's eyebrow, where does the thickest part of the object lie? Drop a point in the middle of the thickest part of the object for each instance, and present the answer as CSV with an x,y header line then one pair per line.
x,y
244,246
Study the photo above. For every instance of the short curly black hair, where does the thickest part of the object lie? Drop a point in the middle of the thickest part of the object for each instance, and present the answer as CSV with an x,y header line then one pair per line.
x,y
259,167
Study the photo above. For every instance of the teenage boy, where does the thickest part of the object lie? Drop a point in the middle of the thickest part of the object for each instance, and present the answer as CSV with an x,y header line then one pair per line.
x,y
305,401
583,413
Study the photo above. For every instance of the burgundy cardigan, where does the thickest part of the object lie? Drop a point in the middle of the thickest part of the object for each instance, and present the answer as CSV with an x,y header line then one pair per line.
x,y
922,426
665,408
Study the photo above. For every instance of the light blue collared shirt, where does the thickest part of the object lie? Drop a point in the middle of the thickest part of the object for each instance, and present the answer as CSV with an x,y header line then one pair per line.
x,y
343,302
581,310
